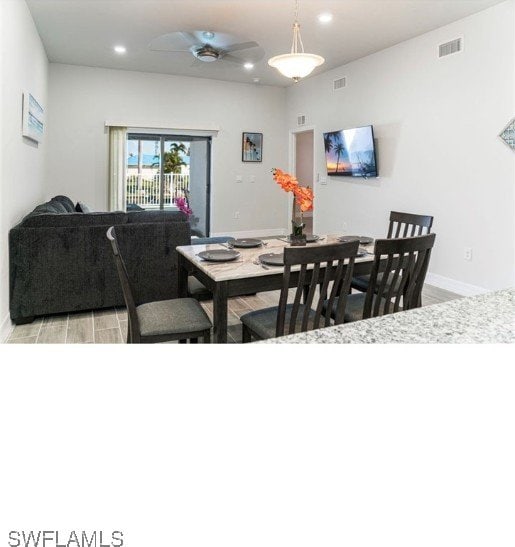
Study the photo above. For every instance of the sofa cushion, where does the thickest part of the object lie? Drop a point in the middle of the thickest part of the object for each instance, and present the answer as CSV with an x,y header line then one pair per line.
x,y
49,207
210,240
73,219
134,207
155,216
66,202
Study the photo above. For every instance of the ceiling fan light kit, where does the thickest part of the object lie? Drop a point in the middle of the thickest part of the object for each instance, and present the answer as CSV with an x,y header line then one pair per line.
x,y
206,53
296,64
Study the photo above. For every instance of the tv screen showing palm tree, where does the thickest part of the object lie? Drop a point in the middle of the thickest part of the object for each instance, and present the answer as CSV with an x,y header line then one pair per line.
x,y
351,152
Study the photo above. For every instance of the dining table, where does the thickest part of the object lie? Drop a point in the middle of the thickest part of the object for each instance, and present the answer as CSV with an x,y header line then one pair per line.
x,y
246,274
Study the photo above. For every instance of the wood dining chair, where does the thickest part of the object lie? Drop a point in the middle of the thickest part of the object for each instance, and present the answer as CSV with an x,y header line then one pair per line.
x,y
161,321
400,225
319,265
398,273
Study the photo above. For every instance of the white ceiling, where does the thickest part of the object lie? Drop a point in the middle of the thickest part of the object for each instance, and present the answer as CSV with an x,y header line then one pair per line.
x,y
84,32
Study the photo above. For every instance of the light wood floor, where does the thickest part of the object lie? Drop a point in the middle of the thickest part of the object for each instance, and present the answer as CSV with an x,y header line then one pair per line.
x,y
110,326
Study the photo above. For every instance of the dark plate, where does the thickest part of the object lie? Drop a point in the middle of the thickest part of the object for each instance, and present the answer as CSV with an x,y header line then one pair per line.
x,y
246,243
272,259
363,240
310,238
219,255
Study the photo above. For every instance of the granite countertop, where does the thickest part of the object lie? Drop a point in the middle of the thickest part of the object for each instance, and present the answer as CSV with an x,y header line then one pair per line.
x,y
487,318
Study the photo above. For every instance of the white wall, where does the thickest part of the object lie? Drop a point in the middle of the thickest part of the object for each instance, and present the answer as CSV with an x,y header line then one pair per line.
x,y
24,66
437,123
83,98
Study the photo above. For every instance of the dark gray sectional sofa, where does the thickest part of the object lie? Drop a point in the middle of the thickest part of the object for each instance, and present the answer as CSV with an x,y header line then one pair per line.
x,y
60,260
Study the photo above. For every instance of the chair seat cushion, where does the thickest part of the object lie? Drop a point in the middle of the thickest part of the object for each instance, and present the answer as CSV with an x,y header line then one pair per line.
x,y
353,307
197,290
361,282
200,292
263,322
180,315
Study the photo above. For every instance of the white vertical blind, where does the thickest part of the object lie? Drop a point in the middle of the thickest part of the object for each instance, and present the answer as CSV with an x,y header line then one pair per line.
x,y
117,168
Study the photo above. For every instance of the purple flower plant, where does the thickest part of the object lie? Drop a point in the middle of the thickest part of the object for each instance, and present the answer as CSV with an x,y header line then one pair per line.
x,y
182,205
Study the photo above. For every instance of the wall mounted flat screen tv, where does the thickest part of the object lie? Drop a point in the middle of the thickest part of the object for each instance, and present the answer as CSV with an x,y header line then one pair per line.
x,y
351,152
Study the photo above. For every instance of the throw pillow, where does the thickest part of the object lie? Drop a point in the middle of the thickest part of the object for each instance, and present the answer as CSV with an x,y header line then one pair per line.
x,y
81,207
66,202
52,207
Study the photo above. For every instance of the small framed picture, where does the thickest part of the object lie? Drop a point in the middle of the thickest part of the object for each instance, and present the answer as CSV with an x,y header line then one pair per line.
x,y
33,118
252,147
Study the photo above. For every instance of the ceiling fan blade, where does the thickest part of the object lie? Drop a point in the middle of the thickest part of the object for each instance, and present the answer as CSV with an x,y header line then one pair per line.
x,y
168,42
240,47
232,59
190,38
164,50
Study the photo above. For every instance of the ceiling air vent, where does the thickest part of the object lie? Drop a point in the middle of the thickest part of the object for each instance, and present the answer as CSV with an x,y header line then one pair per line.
x,y
301,119
449,48
340,83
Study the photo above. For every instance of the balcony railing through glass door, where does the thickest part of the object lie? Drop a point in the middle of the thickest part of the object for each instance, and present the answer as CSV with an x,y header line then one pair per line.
x,y
145,190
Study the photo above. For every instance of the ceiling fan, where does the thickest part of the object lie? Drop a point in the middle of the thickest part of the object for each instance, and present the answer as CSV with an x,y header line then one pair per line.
x,y
207,47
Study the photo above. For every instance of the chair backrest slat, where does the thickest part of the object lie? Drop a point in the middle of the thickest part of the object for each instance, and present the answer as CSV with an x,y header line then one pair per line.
x,y
310,296
283,302
299,293
323,297
315,267
382,285
126,285
345,275
399,269
403,275
411,225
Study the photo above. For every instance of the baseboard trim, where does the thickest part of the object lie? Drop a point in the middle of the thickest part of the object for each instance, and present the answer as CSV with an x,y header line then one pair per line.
x,y
458,287
6,329
254,233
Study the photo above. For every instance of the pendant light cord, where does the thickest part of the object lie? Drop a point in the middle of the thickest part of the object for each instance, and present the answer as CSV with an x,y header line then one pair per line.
x,y
296,32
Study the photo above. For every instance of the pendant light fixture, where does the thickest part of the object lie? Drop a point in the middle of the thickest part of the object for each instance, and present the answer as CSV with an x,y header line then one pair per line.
x,y
297,64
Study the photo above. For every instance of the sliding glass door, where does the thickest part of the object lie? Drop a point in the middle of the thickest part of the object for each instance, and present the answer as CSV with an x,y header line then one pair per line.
x,y
163,168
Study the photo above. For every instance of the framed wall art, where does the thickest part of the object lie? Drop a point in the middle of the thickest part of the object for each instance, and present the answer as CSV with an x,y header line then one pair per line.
x,y
33,118
508,134
252,147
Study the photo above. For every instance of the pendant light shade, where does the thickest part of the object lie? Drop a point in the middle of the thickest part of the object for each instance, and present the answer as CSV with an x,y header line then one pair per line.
x,y
296,64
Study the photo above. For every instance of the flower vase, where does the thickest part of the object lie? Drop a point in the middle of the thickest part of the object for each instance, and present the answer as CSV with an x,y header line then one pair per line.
x,y
297,237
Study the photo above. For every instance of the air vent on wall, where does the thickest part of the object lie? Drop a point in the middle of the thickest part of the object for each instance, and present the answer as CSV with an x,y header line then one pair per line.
x,y
449,48
340,83
301,119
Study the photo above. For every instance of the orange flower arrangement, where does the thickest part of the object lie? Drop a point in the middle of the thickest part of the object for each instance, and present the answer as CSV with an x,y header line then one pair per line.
x,y
303,197
287,182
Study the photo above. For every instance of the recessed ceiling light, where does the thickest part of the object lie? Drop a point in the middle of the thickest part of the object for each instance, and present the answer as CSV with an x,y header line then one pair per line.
x,y
120,49
208,35
248,66
325,17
